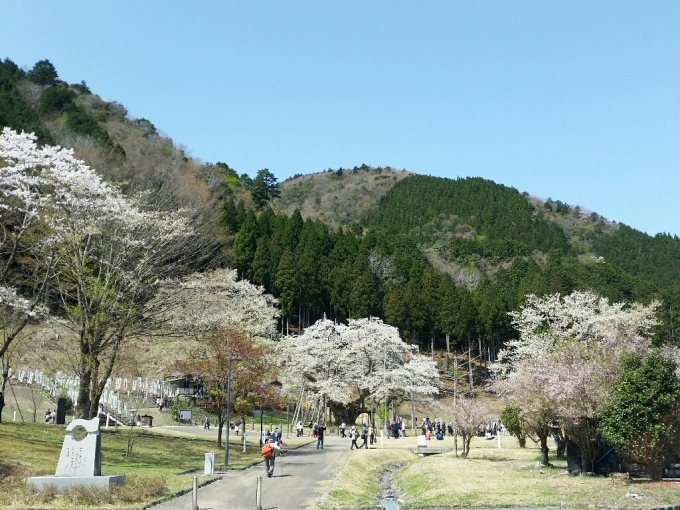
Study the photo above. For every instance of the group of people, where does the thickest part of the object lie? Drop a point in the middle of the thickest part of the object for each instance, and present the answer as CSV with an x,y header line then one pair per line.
x,y
367,435
275,434
436,428
50,416
395,429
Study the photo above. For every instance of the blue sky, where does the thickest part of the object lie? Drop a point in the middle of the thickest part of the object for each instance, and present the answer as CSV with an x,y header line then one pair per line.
x,y
578,101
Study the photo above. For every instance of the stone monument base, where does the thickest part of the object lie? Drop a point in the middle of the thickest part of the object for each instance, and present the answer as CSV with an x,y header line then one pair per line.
x,y
59,483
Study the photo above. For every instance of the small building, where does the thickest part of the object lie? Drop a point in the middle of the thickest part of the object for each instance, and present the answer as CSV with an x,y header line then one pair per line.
x,y
183,384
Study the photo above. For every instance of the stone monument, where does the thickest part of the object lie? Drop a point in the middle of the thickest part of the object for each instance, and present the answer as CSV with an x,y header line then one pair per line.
x,y
80,462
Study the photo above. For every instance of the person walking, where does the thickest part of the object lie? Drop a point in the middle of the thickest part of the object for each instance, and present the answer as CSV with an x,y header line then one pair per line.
x,y
364,436
342,430
269,453
300,429
320,429
371,433
353,435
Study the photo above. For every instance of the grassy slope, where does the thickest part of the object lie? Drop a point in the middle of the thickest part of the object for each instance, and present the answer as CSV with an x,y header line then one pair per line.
x,y
488,478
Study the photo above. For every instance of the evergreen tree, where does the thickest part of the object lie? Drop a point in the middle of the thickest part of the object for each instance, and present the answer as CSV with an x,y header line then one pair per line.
x,y
395,311
640,420
261,275
264,188
466,318
229,216
447,307
43,73
245,246
286,284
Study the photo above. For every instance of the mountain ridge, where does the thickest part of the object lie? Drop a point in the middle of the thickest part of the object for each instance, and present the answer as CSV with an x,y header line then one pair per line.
x,y
360,241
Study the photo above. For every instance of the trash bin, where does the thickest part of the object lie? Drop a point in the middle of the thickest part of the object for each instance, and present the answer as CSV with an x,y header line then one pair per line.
x,y
209,464
61,411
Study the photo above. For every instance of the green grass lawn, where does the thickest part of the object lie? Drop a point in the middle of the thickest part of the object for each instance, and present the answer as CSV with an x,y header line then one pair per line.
x,y
157,460
489,478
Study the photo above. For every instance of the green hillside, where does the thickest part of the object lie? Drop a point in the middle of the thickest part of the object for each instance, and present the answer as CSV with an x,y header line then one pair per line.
x,y
435,257
498,220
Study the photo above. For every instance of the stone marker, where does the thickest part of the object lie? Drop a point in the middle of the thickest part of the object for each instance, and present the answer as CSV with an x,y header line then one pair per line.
x,y
80,462
422,441
209,467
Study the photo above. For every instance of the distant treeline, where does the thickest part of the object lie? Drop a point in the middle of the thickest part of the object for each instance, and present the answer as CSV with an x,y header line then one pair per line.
x,y
378,268
378,265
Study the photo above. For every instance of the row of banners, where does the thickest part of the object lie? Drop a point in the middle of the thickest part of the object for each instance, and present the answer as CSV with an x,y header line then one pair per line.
x,y
62,384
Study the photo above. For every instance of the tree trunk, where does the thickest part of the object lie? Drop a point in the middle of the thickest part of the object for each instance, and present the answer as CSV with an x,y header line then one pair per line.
x,y
655,469
455,388
522,440
348,412
84,389
99,383
466,445
544,448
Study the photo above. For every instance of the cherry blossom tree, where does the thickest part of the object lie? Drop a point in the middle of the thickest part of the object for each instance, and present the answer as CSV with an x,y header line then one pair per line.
x,y
343,365
568,355
25,198
201,303
99,253
468,415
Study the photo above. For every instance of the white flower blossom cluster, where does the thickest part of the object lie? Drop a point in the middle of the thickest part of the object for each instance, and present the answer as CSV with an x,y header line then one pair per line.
x,y
544,322
17,304
49,183
365,358
217,300
568,355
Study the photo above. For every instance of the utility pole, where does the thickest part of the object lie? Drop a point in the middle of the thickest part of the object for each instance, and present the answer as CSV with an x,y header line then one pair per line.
x,y
470,359
455,392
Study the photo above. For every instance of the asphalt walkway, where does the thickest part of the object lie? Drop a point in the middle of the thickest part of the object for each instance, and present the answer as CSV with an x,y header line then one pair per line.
x,y
299,477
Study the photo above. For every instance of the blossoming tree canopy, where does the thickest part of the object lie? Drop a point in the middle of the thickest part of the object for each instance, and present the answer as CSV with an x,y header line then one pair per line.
x,y
567,357
101,251
345,364
205,302
545,322
468,415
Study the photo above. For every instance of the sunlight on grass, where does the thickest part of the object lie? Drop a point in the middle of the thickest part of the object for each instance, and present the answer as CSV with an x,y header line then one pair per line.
x,y
490,477
153,470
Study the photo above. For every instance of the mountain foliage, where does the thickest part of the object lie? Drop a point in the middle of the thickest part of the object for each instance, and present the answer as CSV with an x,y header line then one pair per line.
x,y
443,260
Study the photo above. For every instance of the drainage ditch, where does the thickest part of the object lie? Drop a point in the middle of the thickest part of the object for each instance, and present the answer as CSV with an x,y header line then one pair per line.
x,y
388,496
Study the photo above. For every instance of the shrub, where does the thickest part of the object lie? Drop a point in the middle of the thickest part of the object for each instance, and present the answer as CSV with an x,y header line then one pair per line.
x,y
640,420
512,420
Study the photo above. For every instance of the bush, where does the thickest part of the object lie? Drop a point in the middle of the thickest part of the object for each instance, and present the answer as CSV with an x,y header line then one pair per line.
x,y
512,420
640,420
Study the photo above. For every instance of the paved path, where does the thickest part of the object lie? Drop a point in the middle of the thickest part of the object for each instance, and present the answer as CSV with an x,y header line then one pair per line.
x,y
298,478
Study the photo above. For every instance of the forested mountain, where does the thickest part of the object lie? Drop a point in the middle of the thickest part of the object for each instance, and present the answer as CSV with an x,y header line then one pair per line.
x,y
127,151
441,259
